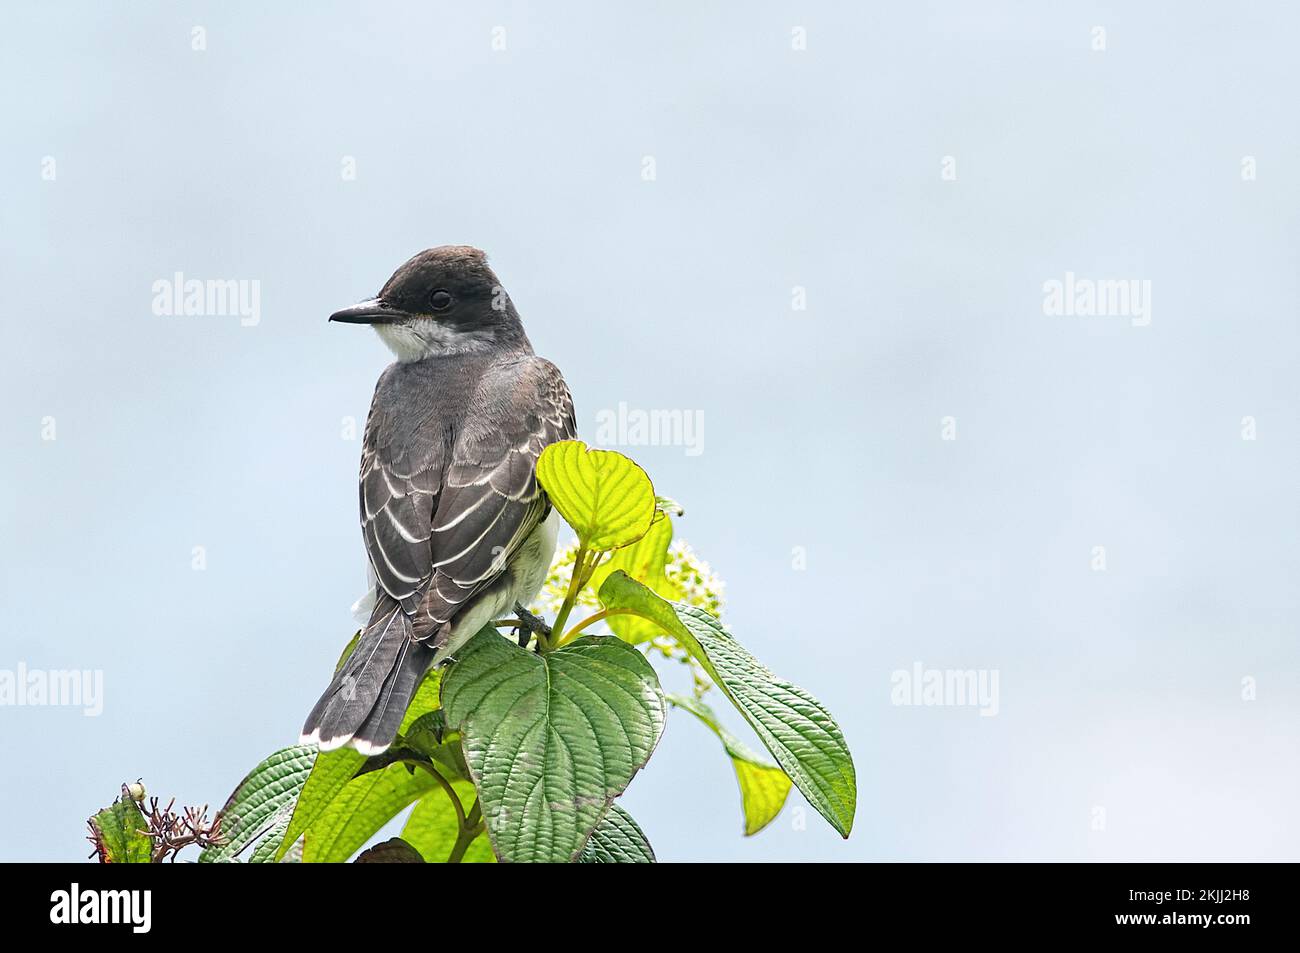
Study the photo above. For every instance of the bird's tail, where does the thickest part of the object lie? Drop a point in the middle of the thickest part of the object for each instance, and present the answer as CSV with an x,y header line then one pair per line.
x,y
364,705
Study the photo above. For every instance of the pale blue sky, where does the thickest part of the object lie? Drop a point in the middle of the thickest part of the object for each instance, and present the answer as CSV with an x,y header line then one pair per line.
x,y
1119,690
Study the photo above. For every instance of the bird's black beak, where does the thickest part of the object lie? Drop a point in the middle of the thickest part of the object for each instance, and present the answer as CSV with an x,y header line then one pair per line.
x,y
374,311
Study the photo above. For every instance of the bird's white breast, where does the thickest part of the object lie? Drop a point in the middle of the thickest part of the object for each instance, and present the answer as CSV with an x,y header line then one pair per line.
x,y
521,582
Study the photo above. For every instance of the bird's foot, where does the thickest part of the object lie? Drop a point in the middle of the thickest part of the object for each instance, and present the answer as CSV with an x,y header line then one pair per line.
x,y
530,625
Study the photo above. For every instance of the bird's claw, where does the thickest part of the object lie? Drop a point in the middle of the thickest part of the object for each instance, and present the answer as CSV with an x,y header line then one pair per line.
x,y
530,625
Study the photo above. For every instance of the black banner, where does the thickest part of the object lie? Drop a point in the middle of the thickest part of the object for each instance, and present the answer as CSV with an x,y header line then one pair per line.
x,y
1226,901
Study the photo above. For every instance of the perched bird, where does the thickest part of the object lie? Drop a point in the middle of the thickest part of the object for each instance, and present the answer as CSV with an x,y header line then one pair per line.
x,y
455,525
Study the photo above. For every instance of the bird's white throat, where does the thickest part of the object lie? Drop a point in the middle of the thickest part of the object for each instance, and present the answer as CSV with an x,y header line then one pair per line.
x,y
425,337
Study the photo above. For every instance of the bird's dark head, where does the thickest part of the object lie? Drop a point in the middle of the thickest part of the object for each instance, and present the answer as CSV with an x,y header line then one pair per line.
x,y
445,300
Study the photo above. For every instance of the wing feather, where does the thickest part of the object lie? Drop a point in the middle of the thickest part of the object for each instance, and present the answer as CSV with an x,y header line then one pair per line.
x,y
492,501
446,504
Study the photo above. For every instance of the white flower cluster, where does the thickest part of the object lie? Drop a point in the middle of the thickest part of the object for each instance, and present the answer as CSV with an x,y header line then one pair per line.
x,y
698,583
695,579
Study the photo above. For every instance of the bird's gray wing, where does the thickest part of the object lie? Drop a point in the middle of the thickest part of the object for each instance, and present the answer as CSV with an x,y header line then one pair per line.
x,y
491,501
403,457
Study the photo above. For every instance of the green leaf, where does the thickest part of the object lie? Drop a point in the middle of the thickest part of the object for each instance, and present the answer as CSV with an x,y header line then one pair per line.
x,y
426,733
365,804
644,561
392,851
333,770
347,651
118,832
607,499
763,785
425,699
336,768
267,848
617,840
433,826
253,808
294,856
551,740
795,727
429,737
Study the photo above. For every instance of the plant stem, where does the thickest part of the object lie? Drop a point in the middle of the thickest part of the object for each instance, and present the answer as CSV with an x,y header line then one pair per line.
x,y
446,786
590,620
575,586
470,828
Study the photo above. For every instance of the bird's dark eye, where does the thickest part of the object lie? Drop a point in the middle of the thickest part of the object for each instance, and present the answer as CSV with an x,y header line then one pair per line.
x,y
440,300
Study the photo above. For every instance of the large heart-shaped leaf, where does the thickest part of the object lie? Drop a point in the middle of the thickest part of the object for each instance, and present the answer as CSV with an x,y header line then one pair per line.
x,y
617,840
763,785
795,727
259,802
607,499
551,740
